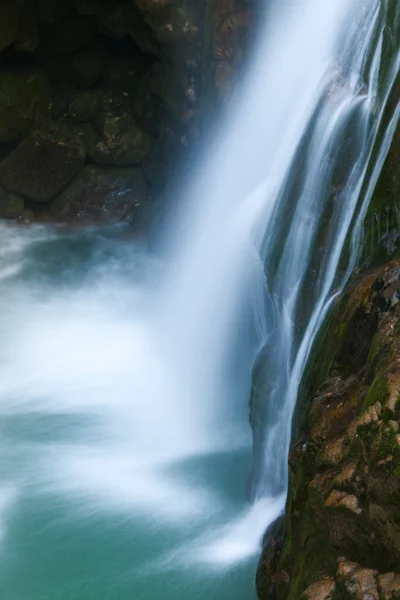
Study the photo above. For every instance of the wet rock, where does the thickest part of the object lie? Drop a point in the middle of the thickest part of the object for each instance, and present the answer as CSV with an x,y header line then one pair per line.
x,y
21,95
10,15
389,586
146,107
11,205
161,163
116,139
166,85
99,195
358,583
43,164
321,590
26,217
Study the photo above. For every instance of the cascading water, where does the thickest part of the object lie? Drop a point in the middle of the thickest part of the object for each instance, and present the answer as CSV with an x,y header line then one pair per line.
x,y
124,377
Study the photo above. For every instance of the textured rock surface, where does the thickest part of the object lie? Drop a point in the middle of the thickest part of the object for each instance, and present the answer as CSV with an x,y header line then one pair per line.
x,y
99,195
343,512
118,83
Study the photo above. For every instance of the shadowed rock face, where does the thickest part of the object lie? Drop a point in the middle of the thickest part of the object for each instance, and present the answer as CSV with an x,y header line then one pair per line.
x,y
342,530
113,83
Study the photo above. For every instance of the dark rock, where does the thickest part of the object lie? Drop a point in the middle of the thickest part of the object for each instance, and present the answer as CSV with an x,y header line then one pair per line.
x,y
146,107
344,492
159,166
123,73
28,32
126,20
101,196
68,35
84,106
10,15
88,65
11,205
117,140
43,164
167,86
50,11
21,93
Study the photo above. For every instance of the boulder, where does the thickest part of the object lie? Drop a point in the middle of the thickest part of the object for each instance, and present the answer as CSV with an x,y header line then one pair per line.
x,y
116,139
10,15
28,32
68,34
88,65
124,72
21,93
101,195
84,106
11,205
125,20
50,11
42,165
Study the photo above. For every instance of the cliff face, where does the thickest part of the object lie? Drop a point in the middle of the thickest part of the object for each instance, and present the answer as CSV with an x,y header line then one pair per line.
x,y
102,101
340,538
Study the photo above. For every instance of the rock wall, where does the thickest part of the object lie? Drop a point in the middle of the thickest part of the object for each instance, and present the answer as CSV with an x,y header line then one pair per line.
x,y
101,101
341,535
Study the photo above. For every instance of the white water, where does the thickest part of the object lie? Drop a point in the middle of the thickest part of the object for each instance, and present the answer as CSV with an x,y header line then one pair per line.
x,y
123,376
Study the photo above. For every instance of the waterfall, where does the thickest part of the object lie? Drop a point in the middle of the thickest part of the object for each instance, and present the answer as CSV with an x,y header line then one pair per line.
x,y
125,376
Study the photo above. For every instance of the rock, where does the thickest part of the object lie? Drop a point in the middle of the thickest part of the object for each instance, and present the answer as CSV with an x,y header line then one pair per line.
x,y
10,15
146,107
50,11
389,586
321,590
165,84
126,20
177,24
101,196
128,148
11,205
67,35
27,217
123,73
43,164
21,94
84,107
159,166
28,32
359,583
88,66
116,139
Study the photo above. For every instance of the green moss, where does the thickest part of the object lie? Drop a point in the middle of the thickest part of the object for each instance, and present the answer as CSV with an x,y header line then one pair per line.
x,y
378,392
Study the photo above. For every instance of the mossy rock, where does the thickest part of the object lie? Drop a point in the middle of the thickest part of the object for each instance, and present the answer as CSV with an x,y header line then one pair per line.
x,y
43,164
11,205
101,195
21,95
